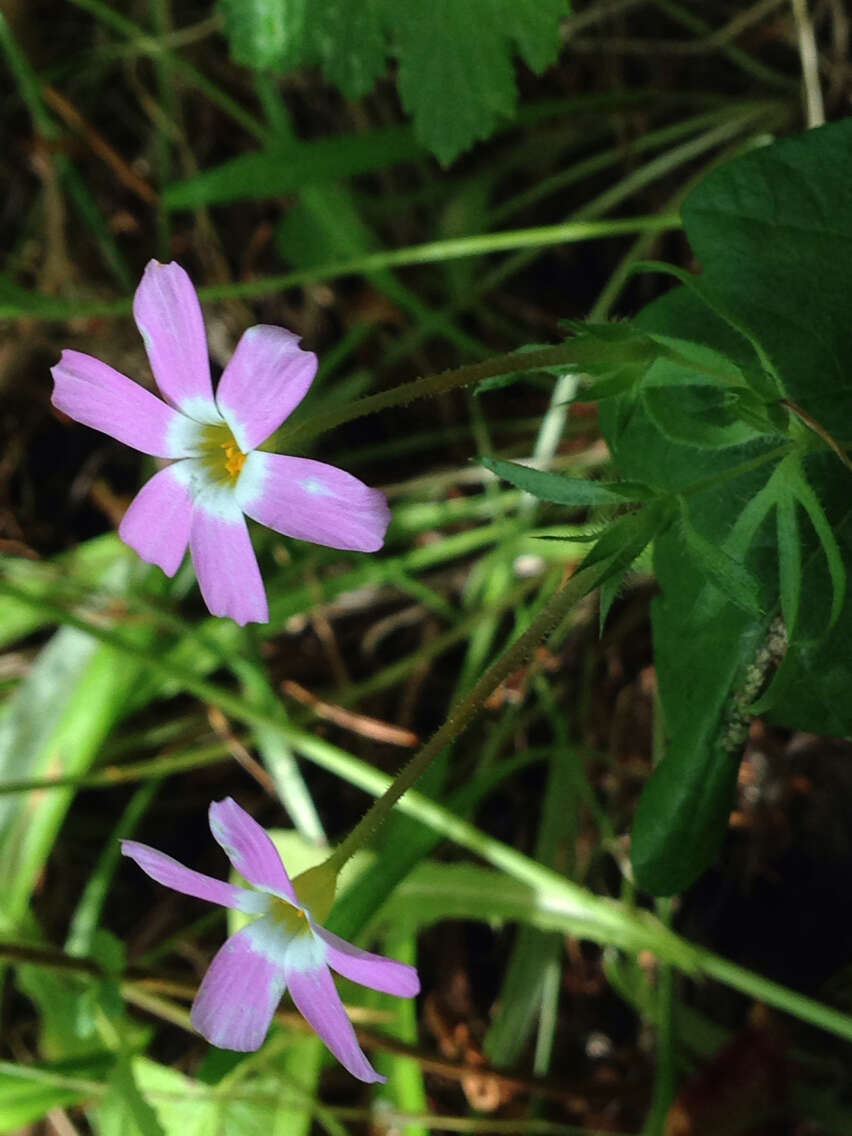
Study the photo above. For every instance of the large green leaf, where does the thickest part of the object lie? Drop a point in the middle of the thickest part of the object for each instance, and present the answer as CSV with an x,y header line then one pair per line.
x,y
773,232
704,641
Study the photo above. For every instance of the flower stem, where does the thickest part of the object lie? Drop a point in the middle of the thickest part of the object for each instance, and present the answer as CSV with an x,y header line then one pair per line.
x,y
585,581
575,353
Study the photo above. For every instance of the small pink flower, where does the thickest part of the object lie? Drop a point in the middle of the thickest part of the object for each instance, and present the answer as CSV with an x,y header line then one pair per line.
x,y
283,949
218,474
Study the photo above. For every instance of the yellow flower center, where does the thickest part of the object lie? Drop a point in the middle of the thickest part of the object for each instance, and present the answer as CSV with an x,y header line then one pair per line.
x,y
292,919
222,457
315,890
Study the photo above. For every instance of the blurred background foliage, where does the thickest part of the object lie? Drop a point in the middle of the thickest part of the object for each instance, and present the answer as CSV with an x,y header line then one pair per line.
x,y
410,187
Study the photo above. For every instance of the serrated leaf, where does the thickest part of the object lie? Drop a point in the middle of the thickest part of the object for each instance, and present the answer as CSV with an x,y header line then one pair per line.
x,y
626,537
456,68
563,490
608,594
456,77
535,28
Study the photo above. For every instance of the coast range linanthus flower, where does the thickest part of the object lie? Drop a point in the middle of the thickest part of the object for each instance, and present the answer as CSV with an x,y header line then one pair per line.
x,y
217,475
284,948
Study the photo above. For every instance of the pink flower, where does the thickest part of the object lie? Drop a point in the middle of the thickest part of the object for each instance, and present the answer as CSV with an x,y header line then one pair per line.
x,y
283,949
218,474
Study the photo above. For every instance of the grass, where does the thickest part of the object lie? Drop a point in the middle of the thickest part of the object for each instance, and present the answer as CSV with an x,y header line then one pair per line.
x,y
502,871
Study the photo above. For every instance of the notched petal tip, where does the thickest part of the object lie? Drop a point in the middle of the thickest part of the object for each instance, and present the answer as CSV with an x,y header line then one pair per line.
x,y
267,377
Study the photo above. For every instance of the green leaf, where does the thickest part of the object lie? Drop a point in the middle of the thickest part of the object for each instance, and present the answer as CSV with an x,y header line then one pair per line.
x,y
324,226
805,495
456,76
562,490
729,575
83,567
683,812
626,537
789,560
349,41
534,28
435,891
29,1092
58,719
773,232
269,173
455,72
703,642
810,689
608,594
264,33
692,412
125,1111
181,1105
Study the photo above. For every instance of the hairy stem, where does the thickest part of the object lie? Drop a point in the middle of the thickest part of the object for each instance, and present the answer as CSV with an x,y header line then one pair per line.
x,y
460,718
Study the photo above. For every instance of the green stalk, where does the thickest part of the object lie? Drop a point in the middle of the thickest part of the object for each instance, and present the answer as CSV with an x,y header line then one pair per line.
x,y
165,766
573,353
46,307
463,714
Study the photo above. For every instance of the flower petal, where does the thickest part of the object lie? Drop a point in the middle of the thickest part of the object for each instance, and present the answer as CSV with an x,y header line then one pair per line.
x,y
375,971
267,377
224,559
249,848
95,394
169,319
240,992
172,874
158,521
312,501
316,998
